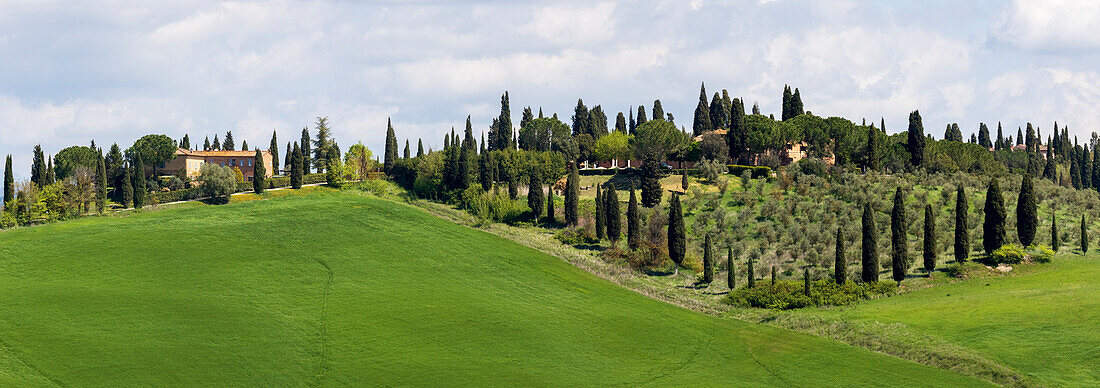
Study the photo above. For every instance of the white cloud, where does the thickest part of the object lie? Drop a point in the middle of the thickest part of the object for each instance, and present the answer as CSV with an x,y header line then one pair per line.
x,y
574,25
1051,24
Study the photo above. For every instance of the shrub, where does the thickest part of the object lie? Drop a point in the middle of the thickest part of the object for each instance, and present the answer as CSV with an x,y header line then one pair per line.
x,y
1007,254
488,206
176,195
711,169
575,236
217,181
965,269
785,295
1041,253
647,256
755,172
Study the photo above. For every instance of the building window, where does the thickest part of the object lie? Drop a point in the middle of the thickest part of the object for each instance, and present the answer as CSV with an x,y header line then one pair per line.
x,y
249,162
232,162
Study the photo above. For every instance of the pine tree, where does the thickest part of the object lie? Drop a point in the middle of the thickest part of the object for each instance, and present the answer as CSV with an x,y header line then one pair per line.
x,y
206,144
534,193
651,186
244,145
1055,242
708,260
633,222
140,190
994,226
601,224
273,148
929,239
296,167
391,147
900,239
228,144
127,187
1084,235
676,234
731,273
550,204
259,172
1027,220
612,220
840,264
870,246
916,140
9,181
572,194
101,183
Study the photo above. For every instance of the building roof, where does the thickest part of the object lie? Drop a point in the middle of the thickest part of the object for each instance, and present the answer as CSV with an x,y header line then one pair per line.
x,y
230,154
721,132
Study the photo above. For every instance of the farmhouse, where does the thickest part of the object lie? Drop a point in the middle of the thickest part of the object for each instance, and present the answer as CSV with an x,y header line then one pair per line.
x,y
190,161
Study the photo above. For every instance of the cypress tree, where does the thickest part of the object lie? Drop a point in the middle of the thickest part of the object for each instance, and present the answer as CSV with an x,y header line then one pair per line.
x,y
633,222
999,145
185,143
1055,242
273,148
806,281
708,260
872,160
550,204
929,239
127,188
840,265
719,112
962,227
601,224
9,181
658,111
684,179
419,147
572,192
140,190
101,183
651,187
286,160
796,104
773,276
620,123
632,125
983,136
731,274
534,193
206,144
259,172
676,234
786,113
916,139
900,241
994,226
737,136
407,152
702,123
641,117
391,147
612,221
870,246
1027,220
1084,235
751,275
296,167
38,167
51,173
228,143
304,149
485,168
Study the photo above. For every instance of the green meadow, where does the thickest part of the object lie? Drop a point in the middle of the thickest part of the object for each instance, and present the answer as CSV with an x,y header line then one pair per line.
x,y
340,288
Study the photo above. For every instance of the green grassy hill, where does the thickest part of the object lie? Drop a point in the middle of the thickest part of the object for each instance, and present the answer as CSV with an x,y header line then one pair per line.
x,y
336,288
1042,323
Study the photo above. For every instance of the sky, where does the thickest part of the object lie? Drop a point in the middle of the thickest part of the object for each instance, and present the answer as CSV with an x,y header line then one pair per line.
x,y
112,71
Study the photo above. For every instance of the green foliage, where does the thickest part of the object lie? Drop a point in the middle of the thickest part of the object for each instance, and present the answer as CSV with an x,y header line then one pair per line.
x,y
259,172
962,230
127,187
535,199
69,158
141,191
870,246
930,236
492,207
1007,254
154,150
572,196
840,259
756,172
993,228
651,186
708,260
915,145
633,221
1055,241
1027,218
657,139
615,145
217,181
9,181
575,236
1084,235
390,156
786,295
677,236
296,167
612,218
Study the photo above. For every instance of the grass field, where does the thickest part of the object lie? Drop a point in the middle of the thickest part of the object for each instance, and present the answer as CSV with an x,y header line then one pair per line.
x,y
336,288
1043,323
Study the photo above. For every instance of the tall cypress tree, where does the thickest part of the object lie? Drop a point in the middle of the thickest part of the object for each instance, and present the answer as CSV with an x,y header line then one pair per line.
x,y
806,281
601,224
305,150
51,173
1084,235
708,260
127,187
140,190
651,186
983,136
900,239
228,144
915,143
1055,242
702,123
572,194
612,220
101,183
773,276
419,147
9,181
719,112
286,160
796,104
731,273
259,173
485,169
962,226
534,193
750,273
296,167
620,123
737,136
929,239
786,113
677,243
993,228
407,153
1027,220
840,263
273,148
550,204
658,111
870,246
391,147
871,158
633,222
38,167
641,117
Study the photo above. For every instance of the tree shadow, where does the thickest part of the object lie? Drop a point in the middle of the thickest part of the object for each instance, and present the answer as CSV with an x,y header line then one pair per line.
x,y
216,200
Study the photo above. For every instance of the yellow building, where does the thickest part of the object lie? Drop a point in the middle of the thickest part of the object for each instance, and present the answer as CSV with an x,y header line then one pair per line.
x,y
191,161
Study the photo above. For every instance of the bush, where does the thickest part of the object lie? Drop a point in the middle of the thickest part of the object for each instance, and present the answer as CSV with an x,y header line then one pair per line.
x,y
495,207
575,236
647,256
755,171
965,270
785,295
217,181
163,197
376,187
1041,253
1007,254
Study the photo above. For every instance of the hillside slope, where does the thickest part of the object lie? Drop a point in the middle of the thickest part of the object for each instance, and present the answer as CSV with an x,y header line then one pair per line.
x,y
335,288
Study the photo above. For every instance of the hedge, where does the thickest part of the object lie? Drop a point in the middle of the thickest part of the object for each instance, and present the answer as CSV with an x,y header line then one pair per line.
x,y
196,192
757,171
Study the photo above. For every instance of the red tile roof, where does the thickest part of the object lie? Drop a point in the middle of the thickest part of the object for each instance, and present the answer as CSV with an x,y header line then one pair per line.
x,y
237,154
